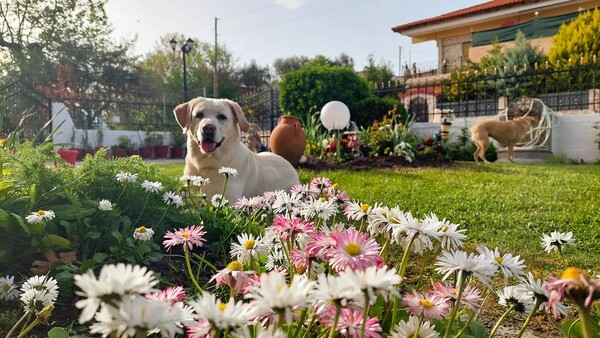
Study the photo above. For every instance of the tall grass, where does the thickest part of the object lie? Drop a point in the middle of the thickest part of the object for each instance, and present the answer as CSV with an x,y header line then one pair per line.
x,y
504,205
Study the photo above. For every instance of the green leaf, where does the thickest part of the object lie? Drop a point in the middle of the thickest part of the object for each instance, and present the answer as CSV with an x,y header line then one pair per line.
x,y
92,234
477,329
55,242
58,332
100,257
117,235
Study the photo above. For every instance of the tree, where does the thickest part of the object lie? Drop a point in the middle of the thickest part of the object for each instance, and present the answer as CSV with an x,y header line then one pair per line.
x,y
253,76
285,65
377,73
315,85
577,40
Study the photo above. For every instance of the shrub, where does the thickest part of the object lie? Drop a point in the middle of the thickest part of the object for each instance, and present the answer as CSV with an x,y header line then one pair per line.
x,y
315,85
375,108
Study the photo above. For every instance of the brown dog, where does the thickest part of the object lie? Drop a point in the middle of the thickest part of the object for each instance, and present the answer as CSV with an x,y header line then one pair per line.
x,y
507,133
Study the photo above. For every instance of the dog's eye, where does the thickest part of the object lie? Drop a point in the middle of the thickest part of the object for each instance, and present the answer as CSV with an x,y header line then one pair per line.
x,y
222,117
199,115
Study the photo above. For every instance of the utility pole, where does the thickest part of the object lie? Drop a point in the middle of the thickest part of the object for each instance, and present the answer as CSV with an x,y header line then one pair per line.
x,y
215,72
399,60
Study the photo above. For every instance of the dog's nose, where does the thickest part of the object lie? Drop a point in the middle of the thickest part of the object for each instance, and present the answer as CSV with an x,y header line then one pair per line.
x,y
209,128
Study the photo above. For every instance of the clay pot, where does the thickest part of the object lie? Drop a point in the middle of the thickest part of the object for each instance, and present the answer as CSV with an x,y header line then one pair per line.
x,y
69,155
288,139
161,151
176,152
146,152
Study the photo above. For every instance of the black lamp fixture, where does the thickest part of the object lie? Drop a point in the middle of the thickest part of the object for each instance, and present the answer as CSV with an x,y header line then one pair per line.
x,y
186,48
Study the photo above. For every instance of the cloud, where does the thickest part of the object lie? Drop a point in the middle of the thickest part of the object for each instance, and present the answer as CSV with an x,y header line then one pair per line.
x,y
289,4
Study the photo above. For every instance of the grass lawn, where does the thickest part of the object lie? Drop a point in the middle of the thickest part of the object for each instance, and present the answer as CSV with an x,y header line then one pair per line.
x,y
504,205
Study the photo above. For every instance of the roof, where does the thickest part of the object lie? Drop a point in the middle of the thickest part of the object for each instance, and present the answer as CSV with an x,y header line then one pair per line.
x,y
486,7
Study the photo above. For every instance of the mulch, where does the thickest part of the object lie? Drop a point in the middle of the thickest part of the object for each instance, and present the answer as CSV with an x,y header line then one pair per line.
x,y
379,162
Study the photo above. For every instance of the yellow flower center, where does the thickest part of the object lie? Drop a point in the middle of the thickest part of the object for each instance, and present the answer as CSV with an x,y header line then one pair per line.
x,y
183,187
499,259
426,304
394,220
353,249
41,212
128,174
141,229
301,270
5,287
185,234
574,274
323,199
336,186
249,245
222,306
235,266
365,207
444,228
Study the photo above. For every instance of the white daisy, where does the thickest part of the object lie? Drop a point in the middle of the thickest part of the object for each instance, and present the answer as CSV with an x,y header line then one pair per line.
x,y
38,292
275,257
357,211
230,315
249,205
228,172
374,280
285,203
171,197
381,218
318,208
450,262
105,205
114,282
259,332
194,180
407,228
152,186
536,289
274,294
126,177
218,201
8,289
335,289
450,237
143,234
40,216
248,246
514,296
509,265
557,240
407,329
138,314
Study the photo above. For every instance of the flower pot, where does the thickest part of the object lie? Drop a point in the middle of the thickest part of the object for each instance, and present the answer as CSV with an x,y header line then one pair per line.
x,y
146,152
119,152
161,151
288,139
177,152
69,155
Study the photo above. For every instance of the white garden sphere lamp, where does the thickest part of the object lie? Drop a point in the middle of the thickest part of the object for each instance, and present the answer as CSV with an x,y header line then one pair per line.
x,y
335,115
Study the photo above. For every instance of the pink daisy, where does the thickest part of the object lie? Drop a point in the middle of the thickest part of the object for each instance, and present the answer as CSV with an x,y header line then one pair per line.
x,y
575,285
190,236
320,184
470,298
318,245
429,306
173,294
350,324
234,277
289,228
301,260
201,329
354,250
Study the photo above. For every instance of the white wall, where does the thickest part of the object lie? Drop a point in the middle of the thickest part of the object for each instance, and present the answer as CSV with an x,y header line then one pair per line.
x,y
64,133
573,135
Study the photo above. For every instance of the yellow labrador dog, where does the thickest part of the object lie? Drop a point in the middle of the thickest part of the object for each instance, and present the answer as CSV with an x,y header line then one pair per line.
x,y
507,133
214,141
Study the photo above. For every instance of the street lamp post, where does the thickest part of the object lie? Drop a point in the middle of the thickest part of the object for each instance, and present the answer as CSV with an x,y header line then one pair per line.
x,y
186,48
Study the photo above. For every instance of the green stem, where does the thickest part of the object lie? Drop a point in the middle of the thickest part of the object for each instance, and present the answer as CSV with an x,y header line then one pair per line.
x,y
17,324
142,212
585,316
224,188
162,217
404,262
394,306
536,306
416,335
452,318
384,248
464,328
189,268
28,328
141,333
332,331
365,315
500,320
300,322
310,325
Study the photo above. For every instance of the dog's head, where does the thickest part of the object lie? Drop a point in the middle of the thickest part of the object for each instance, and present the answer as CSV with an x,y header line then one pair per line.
x,y
531,121
211,122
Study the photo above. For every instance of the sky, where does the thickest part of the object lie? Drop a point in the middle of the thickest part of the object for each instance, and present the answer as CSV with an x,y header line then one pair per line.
x,y
264,30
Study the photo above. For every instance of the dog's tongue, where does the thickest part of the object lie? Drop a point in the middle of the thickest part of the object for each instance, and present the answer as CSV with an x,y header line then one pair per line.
x,y
208,147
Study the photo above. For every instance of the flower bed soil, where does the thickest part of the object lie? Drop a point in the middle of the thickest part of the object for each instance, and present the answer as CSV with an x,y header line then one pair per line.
x,y
367,163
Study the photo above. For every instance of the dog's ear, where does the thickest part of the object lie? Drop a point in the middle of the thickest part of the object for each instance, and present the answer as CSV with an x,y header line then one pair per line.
x,y
183,115
239,115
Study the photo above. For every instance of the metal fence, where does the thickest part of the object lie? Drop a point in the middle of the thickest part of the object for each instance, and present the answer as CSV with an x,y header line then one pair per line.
x,y
21,104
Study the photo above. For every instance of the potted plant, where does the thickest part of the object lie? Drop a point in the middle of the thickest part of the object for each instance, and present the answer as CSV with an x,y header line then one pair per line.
x,y
178,139
69,155
120,149
149,142
161,150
